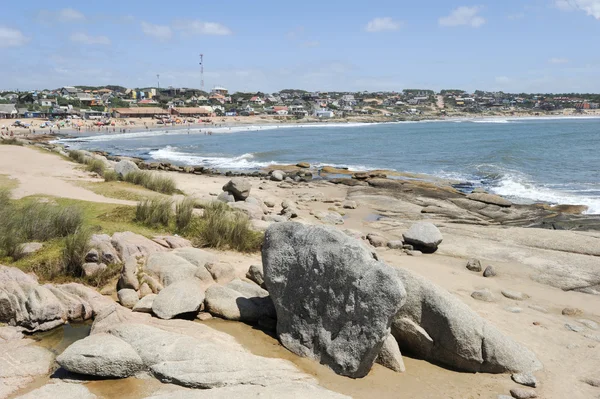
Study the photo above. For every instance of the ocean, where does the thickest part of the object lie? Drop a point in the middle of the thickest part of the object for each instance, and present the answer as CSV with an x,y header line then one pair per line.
x,y
552,160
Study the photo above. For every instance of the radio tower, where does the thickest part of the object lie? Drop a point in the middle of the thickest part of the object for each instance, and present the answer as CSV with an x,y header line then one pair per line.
x,y
202,72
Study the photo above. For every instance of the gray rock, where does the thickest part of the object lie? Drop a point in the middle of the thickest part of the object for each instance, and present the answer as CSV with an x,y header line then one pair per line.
x,y
125,167
526,379
59,389
145,290
195,256
269,203
572,312
31,247
592,325
322,281
102,355
329,217
221,272
390,355
489,272
20,363
255,273
414,253
129,244
395,244
239,188
483,295
348,204
474,265
179,298
226,197
92,256
434,325
277,175
172,242
275,218
129,278
574,327
490,199
538,308
520,393
182,264
594,337
516,295
239,301
253,211
128,297
102,244
377,240
423,236
91,269
514,309
144,305
595,382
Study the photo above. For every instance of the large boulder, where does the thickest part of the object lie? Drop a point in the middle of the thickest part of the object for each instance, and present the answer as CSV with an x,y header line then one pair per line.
x,y
125,167
423,236
129,244
101,355
239,301
180,298
172,267
239,188
334,301
101,244
436,326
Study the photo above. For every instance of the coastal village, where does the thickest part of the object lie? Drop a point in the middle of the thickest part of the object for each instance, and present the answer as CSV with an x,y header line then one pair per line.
x,y
169,105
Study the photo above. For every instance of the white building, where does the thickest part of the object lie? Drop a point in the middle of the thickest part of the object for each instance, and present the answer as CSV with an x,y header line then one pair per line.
x,y
324,113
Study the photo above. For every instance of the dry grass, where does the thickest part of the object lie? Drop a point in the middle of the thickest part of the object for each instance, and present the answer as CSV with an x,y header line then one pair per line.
x,y
11,141
184,212
152,181
95,166
110,175
73,256
154,211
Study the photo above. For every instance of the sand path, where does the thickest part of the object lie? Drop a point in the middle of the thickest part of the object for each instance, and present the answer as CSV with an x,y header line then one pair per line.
x,y
42,173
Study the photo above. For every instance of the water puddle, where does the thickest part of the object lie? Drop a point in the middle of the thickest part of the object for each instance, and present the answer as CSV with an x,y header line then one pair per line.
x,y
373,217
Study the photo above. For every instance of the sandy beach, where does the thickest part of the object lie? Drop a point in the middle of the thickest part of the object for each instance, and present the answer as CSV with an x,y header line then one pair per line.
x,y
555,269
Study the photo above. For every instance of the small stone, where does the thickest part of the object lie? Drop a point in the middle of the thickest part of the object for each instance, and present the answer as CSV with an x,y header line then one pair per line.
x,y
538,308
395,244
376,240
203,316
516,295
537,323
407,247
349,204
489,272
592,325
483,295
145,290
572,312
520,393
128,297
574,327
595,382
304,165
414,253
514,309
474,265
269,203
526,379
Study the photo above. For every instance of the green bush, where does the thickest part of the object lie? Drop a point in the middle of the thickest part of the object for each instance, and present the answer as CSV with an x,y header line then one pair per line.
x,y
104,277
222,228
76,248
11,141
77,156
184,212
153,212
158,183
95,166
111,175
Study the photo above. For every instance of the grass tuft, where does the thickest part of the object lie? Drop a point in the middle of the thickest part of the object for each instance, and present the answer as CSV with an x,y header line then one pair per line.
x,y
77,156
76,248
154,182
154,211
95,166
11,141
110,175
184,212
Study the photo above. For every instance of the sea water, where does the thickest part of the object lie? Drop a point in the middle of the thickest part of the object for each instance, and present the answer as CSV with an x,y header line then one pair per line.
x,y
552,160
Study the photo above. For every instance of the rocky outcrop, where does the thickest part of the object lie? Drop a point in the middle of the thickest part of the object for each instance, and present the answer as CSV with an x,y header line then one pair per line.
x,y
59,389
178,299
334,301
125,167
239,301
490,199
423,236
129,244
436,326
20,363
239,188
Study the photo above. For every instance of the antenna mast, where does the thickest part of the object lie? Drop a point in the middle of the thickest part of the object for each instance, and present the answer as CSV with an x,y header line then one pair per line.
x,y
202,72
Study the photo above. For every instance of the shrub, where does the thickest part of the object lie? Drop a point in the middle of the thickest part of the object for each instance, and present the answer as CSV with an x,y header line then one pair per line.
x,y
155,211
104,277
77,156
158,183
184,212
111,175
96,166
11,141
44,221
76,248
223,228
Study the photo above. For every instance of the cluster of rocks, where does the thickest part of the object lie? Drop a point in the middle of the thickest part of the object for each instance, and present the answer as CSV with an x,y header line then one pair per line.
x,y
290,177
421,237
474,265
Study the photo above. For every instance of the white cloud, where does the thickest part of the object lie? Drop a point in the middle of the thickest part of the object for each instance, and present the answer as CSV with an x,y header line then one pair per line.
x,y
11,37
69,15
558,61
87,39
590,7
159,32
463,16
382,24
196,27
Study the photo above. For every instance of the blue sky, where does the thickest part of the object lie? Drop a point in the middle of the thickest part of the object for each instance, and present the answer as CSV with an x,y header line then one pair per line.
x,y
510,45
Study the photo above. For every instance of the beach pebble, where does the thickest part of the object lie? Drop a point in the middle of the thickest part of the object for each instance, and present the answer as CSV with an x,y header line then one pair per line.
x,y
595,337
592,325
483,295
203,316
514,309
526,379
269,203
538,308
516,295
277,175
349,204
489,271
572,312
414,253
377,240
574,327
395,244
520,393
474,265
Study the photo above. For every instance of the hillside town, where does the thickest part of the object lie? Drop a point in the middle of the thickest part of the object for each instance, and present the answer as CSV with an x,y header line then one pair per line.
x,y
81,102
